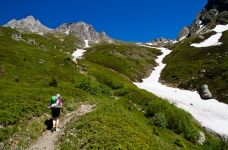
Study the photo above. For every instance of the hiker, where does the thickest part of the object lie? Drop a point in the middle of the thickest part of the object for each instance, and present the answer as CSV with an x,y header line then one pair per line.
x,y
56,105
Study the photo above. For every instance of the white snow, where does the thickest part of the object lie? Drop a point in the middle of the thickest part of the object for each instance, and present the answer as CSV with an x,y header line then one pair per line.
x,y
86,43
182,38
221,28
210,113
200,23
67,32
79,52
149,43
214,39
211,41
175,41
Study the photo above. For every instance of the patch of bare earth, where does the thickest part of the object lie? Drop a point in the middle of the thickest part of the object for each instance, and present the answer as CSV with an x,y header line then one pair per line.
x,y
48,140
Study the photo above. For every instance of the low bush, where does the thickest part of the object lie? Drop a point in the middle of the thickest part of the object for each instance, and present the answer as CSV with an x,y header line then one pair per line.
x,y
88,85
178,120
91,86
53,82
224,141
160,120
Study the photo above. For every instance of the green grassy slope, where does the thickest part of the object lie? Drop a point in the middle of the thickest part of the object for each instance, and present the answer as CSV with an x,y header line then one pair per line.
x,y
191,67
31,73
131,60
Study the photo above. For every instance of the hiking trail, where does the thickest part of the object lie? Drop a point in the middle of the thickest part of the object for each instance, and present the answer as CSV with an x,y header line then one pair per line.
x,y
48,140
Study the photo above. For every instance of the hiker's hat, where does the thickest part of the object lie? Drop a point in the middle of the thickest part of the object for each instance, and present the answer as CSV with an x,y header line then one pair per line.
x,y
58,96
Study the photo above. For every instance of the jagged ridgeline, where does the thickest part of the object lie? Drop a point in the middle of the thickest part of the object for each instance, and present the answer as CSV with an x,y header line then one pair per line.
x,y
190,67
33,67
80,31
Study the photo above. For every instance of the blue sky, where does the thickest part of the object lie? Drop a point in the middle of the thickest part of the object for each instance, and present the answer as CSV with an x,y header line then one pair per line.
x,y
127,20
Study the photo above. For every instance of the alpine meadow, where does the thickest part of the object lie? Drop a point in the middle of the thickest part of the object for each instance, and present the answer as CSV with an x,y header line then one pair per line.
x,y
36,63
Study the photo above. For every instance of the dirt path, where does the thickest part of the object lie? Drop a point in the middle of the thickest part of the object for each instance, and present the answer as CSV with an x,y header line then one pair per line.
x,y
47,141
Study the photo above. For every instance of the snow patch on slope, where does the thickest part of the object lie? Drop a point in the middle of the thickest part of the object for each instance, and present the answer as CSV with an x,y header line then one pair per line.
x,y
209,113
214,39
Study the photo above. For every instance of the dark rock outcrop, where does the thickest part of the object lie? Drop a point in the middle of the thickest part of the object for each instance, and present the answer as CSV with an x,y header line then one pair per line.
x,y
215,12
220,5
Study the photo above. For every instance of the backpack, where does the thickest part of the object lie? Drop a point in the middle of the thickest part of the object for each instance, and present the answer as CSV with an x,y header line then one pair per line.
x,y
53,103
53,99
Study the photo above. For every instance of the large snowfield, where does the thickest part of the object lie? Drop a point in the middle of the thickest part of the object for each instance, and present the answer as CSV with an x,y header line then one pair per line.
x,y
209,113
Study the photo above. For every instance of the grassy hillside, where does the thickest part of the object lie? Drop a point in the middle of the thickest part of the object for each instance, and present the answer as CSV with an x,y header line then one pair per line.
x,y
190,67
135,62
126,117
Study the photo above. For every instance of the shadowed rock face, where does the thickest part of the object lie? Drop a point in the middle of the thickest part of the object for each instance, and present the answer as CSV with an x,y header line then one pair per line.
x,y
215,12
220,5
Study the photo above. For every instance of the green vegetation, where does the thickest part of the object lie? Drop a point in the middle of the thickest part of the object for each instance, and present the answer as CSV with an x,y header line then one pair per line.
x,y
126,117
131,60
191,67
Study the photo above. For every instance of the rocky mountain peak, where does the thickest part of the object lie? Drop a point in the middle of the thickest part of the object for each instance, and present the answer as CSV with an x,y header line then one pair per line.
x,y
159,42
66,27
215,12
30,18
80,29
28,24
84,31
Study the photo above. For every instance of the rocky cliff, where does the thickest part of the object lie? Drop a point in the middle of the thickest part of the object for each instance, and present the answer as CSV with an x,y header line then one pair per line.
x,y
160,42
215,12
28,24
80,30
84,32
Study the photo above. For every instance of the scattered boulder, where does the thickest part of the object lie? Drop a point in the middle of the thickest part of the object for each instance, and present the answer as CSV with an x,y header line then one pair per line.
x,y
205,93
201,138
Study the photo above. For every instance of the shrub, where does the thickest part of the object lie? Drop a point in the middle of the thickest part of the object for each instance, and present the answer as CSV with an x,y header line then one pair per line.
x,y
160,120
109,81
105,90
177,119
16,79
122,92
179,143
53,82
116,85
88,85
224,141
